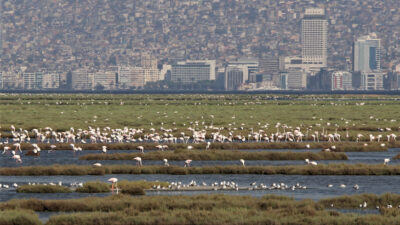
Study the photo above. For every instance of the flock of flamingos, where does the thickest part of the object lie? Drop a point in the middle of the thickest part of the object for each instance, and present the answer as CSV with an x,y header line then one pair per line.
x,y
162,136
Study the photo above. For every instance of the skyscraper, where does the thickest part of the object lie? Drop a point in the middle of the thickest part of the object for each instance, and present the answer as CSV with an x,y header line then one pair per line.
x,y
233,78
367,54
314,32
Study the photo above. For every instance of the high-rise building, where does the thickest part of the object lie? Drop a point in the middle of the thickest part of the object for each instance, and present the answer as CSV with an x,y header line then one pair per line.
x,y
29,80
269,64
296,79
342,80
269,68
314,38
249,67
9,80
129,77
283,81
233,78
193,71
51,80
151,75
105,79
80,80
367,54
38,80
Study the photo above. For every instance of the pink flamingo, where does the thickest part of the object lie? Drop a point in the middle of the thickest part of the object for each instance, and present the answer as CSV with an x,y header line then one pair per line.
x,y
114,181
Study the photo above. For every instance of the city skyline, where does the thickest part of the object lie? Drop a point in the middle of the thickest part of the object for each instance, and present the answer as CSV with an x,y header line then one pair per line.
x,y
268,71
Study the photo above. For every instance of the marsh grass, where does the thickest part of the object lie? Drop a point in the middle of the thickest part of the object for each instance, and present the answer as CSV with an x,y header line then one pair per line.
x,y
199,209
19,217
330,169
219,155
127,187
94,187
340,146
354,201
40,188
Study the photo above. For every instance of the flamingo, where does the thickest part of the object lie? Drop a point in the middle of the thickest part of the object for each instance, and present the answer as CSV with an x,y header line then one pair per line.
x,y
308,162
187,163
140,148
104,149
166,162
386,161
97,164
208,145
242,162
5,149
114,181
138,161
17,158
36,150
17,147
52,148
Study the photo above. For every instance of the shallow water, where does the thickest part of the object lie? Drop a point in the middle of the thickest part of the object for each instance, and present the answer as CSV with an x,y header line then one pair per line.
x,y
316,185
68,158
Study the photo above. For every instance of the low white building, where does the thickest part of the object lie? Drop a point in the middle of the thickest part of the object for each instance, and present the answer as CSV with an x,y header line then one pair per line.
x,y
371,81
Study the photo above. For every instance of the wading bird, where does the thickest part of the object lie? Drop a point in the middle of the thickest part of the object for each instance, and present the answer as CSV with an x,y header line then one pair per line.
x,y
308,162
138,161
242,162
114,181
166,162
140,148
187,163
386,161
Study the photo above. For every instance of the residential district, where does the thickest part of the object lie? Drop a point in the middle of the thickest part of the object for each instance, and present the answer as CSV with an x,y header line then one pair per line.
x,y
319,45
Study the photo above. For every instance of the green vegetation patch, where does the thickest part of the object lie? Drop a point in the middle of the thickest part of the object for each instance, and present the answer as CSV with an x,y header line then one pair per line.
x,y
19,217
40,188
354,201
330,169
219,155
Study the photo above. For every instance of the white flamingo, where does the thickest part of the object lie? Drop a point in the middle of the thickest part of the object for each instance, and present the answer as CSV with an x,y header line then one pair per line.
x,y
17,158
166,162
52,148
187,163
140,148
104,149
138,161
5,149
308,162
386,161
